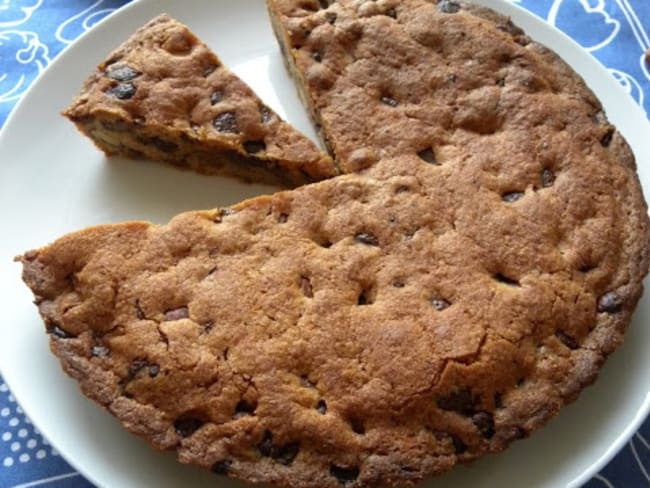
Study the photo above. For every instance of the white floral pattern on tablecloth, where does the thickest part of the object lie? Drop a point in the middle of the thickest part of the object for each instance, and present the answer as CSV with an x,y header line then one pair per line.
x,y
33,32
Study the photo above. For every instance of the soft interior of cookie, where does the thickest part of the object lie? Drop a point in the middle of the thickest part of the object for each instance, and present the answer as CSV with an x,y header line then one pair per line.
x,y
132,140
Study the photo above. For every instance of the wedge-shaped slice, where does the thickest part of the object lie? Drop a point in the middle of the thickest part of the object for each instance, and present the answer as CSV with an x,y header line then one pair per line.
x,y
435,78
367,330
163,95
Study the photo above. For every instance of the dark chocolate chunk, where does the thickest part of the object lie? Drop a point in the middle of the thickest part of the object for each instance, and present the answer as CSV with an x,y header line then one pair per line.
x,y
321,407
287,453
265,114
136,365
610,302
547,177
154,369
439,304
216,97
366,238
460,401
427,155
164,146
391,12
330,17
566,340
305,287
226,122
121,72
57,331
186,426
221,213
316,56
606,139
253,147
138,310
501,278
484,423
221,467
177,314
122,91
459,445
344,475
265,447
391,102
448,6
512,196
243,409
100,351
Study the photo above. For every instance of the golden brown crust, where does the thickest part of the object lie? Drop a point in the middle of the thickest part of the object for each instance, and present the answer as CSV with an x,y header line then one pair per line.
x,y
163,95
380,327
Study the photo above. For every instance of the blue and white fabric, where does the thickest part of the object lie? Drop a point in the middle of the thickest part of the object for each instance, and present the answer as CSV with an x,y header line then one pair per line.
x,y
34,32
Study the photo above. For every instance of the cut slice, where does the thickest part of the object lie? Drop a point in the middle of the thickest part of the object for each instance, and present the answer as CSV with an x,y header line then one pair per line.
x,y
163,95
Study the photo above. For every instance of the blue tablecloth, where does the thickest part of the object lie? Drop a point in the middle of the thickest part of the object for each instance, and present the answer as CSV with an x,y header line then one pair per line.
x,y
33,33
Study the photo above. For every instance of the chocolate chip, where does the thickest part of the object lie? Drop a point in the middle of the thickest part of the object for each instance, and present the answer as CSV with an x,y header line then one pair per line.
x,y
226,122
154,369
606,139
439,304
305,287
498,400
566,340
265,114
448,6
324,3
100,351
253,147
282,218
316,56
610,302
122,91
363,298
344,475
221,213
208,70
186,426
177,314
512,196
366,238
243,409
164,146
391,12
460,401
287,453
459,445
121,72
321,407
357,426
547,177
484,423
500,82
398,284
265,447
57,331
221,467
138,310
391,102
427,155
216,97
501,278
451,78
136,365
330,17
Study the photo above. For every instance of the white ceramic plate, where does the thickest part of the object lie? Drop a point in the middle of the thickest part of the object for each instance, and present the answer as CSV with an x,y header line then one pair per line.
x,y
53,181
